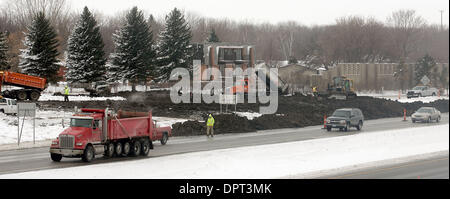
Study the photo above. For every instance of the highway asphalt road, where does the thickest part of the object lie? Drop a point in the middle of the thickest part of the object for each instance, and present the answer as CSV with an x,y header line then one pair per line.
x,y
22,160
435,167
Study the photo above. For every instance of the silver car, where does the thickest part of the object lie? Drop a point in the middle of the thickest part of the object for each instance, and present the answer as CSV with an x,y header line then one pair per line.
x,y
426,114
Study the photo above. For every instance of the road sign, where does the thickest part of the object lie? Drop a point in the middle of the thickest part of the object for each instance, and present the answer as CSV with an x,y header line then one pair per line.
x,y
425,80
26,109
227,99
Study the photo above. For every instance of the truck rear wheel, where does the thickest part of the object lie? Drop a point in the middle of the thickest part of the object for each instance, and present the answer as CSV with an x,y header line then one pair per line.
x,y
126,148
109,150
21,95
145,149
135,148
88,154
118,148
34,95
56,157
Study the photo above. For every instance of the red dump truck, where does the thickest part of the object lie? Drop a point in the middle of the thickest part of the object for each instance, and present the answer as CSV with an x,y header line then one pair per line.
x,y
100,131
32,85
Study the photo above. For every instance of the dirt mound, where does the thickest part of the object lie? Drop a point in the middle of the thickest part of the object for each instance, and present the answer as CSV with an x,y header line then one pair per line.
x,y
293,111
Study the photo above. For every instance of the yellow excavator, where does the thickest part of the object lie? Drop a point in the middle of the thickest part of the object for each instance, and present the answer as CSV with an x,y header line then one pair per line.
x,y
341,88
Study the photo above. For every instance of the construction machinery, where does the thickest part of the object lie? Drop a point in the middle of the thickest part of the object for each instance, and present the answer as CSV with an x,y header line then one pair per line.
x,y
267,77
340,88
32,86
98,89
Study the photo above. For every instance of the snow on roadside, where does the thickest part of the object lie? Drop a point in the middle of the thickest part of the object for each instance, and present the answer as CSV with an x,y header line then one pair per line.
x,y
48,126
250,116
50,97
393,95
268,161
167,121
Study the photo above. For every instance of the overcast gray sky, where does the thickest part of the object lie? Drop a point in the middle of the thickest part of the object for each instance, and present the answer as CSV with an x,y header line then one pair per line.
x,y
307,12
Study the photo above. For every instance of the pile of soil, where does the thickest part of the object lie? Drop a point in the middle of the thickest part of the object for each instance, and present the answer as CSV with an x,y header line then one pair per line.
x,y
293,111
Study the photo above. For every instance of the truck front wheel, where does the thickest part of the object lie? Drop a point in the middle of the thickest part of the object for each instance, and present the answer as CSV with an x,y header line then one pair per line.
x,y
164,139
88,154
56,157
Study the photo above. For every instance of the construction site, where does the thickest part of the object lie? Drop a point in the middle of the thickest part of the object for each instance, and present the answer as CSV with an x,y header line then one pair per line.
x,y
295,109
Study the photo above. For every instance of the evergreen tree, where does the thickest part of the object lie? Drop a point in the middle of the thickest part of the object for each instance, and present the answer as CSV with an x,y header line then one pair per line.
x,y
134,55
39,57
3,52
174,49
423,67
213,38
85,56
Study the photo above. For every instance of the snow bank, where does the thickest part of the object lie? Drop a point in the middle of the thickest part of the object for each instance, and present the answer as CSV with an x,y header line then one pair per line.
x,y
393,95
50,97
268,161
167,121
250,116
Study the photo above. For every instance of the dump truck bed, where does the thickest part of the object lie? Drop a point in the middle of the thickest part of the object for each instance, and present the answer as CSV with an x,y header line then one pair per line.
x,y
22,80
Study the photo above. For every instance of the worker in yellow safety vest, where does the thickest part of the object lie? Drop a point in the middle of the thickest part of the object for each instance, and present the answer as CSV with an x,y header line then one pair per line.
x,y
210,126
314,91
66,94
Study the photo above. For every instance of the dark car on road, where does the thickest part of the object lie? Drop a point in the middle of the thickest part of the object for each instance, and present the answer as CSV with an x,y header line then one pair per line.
x,y
345,118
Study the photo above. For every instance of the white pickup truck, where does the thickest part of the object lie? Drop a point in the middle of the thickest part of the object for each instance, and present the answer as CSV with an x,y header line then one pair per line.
x,y
422,91
8,106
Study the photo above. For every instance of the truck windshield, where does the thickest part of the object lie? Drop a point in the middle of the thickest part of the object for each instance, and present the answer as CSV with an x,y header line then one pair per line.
x,y
80,122
340,113
418,88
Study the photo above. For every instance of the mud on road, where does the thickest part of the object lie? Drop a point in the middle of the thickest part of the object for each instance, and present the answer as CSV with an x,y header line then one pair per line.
x,y
293,111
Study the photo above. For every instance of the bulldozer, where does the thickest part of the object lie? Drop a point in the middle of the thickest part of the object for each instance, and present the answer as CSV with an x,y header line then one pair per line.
x,y
340,88
98,89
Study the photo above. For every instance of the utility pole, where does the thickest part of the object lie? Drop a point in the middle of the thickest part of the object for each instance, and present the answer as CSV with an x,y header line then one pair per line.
x,y
442,28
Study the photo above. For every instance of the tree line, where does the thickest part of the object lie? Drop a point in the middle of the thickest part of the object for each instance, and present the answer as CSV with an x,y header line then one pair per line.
x,y
404,37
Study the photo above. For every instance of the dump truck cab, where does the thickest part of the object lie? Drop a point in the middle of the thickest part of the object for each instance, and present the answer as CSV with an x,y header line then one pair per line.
x,y
84,129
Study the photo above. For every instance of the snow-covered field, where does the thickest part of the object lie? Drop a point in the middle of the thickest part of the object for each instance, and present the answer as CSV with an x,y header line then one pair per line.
x,y
48,126
302,158
394,95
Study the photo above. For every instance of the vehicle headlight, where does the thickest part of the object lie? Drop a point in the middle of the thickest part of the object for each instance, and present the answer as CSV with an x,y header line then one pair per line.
x,y
342,121
79,144
54,142
328,120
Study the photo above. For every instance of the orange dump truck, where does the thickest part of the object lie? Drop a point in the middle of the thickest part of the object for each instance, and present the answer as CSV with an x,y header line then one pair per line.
x,y
32,86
